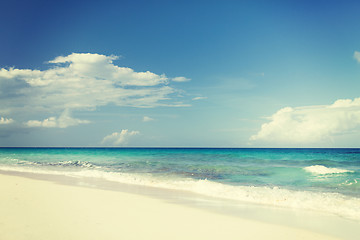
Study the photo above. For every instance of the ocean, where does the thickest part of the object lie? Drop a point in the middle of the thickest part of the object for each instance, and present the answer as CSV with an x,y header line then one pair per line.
x,y
324,180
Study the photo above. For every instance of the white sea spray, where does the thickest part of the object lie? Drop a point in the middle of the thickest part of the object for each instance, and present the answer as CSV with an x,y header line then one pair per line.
x,y
321,170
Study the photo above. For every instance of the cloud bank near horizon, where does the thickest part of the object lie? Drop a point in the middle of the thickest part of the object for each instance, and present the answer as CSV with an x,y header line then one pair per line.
x,y
311,124
121,138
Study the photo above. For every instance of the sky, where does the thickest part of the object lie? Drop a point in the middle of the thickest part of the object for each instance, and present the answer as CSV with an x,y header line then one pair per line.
x,y
180,73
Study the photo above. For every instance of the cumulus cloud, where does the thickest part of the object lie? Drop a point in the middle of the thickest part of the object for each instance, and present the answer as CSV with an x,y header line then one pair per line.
x,y
4,121
180,79
80,81
119,138
147,119
357,56
64,121
311,124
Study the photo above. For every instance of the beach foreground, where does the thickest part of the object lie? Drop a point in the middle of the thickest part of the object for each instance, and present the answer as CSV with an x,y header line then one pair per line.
x,y
37,209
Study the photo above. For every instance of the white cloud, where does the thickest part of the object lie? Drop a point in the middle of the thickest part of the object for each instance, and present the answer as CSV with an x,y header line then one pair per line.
x,y
64,121
199,98
102,67
180,79
357,56
119,138
80,81
147,119
6,120
311,124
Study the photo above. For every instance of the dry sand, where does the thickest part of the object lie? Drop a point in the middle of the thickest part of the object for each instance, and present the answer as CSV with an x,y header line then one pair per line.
x,y
34,210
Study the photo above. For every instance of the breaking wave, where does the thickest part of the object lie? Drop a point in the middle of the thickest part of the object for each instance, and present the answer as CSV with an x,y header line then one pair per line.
x,y
333,203
322,170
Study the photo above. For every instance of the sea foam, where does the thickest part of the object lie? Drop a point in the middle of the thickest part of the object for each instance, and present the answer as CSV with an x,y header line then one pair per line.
x,y
322,170
82,164
333,203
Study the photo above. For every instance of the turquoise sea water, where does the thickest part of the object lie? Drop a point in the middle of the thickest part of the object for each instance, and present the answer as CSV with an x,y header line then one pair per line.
x,y
325,180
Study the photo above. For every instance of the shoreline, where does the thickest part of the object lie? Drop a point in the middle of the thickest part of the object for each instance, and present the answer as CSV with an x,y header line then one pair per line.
x,y
34,202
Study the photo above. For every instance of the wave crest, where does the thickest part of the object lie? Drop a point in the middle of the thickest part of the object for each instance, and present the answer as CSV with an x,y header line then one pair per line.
x,y
322,170
333,203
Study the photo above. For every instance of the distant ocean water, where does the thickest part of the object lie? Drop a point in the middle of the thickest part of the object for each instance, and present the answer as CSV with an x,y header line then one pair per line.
x,y
325,180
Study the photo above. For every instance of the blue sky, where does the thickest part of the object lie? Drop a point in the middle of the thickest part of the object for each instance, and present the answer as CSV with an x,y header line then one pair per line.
x,y
180,73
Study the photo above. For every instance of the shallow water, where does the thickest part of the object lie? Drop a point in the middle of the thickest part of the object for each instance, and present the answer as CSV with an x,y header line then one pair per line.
x,y
324,180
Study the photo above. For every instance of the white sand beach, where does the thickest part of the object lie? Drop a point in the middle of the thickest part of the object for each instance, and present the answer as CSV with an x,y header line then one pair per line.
x,y
36,209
